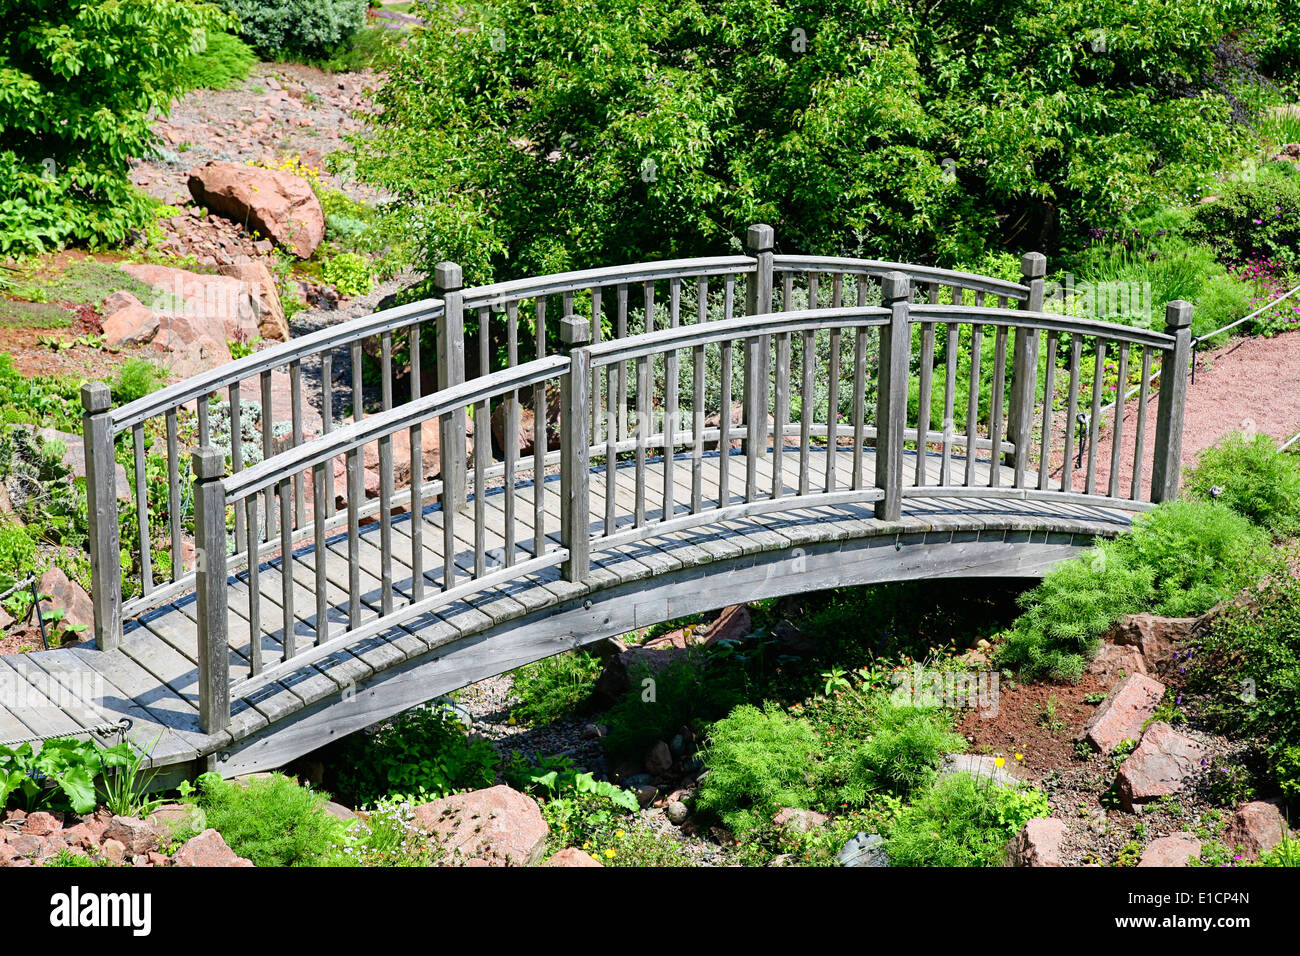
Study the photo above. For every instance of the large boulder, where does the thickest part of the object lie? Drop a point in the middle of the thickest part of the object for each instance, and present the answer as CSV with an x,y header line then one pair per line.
x,y
1156,638
524,439
68,596
276,203
1256,827
1122,715
497,826
1162,764
128,321
1117,661
271,322
1039,843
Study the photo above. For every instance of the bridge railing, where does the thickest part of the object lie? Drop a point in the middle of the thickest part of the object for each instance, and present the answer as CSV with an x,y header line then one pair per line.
x,y
235,407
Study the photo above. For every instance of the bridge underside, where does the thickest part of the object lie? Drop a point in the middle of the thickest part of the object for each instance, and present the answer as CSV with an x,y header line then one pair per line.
x,y
153,677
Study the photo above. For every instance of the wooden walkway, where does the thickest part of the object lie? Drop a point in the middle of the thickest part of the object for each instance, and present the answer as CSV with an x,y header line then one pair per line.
x,y
152,678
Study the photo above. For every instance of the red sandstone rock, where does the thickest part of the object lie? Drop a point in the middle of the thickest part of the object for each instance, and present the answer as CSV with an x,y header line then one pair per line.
x,y
498,826
1122,714
274,202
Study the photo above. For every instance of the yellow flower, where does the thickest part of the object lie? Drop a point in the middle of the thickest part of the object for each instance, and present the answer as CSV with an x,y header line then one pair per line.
x,y
511,721
1000,761
619,833
609,853
1020,756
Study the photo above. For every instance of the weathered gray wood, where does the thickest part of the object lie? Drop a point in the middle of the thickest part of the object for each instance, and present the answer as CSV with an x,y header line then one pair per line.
x,y
951,348
1139,438
1049,400
973,401
1167,463
995,402
575,468
450,343
891,409
1071,412
1117,425
925,388
101,510
1094,419
1024,371
174,497
209,466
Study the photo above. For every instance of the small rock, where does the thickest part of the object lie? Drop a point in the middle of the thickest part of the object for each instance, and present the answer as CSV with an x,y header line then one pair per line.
x,y
1114,660
865,849
799,821
208,849
592,732
572,856
1162,764
1156,638
1039,843
677,812
984,766
173,817
645,794
660,759
1171,850
42,824
137,836
115,850
1256,827
1122,715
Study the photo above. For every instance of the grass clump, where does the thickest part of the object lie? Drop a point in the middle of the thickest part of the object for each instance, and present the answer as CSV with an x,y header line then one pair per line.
x,y
555,687
902,754
1251,477
758,762
271,820
135,379
962,821
224,63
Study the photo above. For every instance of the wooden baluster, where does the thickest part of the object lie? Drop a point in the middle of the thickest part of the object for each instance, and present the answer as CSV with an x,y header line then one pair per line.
x,y
1094,420
924,395
1049,399
1167,464
1117,438
1071,412
952,345
142,509
995,406
174,498
973,403
320,554
251,547
1139,437
104,542
642,432
806,410
209,465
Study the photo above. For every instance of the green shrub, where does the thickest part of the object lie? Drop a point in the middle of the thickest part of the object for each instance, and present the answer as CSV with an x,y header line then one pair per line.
x,y
962,821
1246,666
225,62
424,753
135,379
78,81
758,761
555,687
685,693
276,27
17,554
906,746
1252,478
1177,560
1257,219
271,820
349,273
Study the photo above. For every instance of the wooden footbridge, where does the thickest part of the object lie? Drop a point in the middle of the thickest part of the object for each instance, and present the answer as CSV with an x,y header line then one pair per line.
x,y
712,431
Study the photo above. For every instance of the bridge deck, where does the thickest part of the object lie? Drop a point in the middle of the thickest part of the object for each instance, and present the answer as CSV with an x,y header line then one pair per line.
x,y
153,677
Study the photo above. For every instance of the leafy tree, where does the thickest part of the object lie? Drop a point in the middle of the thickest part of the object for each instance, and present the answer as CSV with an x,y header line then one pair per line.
x,y
78,79
524,139
297,26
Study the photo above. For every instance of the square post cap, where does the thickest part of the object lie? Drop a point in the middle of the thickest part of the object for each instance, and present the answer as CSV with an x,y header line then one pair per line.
x,y
760,238
208,463
1033,265
96,397
575,330
447,276
895,286
1178,315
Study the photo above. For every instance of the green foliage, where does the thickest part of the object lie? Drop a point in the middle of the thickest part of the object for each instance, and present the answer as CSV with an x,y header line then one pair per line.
x,y
387,836
1252,219
758,761
535,139
63,775
962,821
1177,560
271,820
135,379
1247,667
1252,478
906,746
223,63
555,776
78,80
349,273
278,27
555,687
424,752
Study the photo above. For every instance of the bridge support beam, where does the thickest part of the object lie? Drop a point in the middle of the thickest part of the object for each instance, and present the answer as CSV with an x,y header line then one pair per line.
x,y
758,301
210,589
1168,463
1024,370
101,508
891,399
575,451
450,343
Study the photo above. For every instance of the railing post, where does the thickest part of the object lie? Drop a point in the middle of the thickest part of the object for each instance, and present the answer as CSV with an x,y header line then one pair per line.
x,y
575,450
1168,462
450,342
209,466
759,240
891,398
101,508
1024,369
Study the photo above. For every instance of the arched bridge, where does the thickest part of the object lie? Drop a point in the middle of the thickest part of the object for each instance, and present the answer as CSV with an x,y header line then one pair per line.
x,y
711,431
